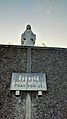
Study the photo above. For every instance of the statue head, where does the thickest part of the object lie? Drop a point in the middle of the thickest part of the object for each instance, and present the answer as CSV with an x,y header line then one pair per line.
x,y
28,27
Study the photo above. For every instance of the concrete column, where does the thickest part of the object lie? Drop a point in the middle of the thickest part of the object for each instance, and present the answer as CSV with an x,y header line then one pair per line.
x,y
28,97
29,60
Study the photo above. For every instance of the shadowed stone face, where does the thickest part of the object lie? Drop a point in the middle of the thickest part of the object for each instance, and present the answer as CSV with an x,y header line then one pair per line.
x,y
28,38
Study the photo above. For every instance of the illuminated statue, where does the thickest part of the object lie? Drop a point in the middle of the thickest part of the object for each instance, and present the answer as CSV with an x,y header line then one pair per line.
x,y
28,38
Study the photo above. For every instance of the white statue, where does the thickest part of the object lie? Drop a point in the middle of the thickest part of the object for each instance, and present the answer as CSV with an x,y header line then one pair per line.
x,y
28,38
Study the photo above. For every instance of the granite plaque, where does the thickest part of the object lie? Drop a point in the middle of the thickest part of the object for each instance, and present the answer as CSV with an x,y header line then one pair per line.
x,y
28,82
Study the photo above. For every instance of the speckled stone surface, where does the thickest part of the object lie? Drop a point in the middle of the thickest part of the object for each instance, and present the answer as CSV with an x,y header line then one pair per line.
x,y
53,62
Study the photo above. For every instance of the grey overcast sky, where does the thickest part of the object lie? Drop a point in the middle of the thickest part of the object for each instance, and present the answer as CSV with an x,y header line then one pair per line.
x,y
48,19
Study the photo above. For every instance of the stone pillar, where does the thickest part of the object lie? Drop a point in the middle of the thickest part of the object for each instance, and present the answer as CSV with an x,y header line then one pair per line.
x,y
28,97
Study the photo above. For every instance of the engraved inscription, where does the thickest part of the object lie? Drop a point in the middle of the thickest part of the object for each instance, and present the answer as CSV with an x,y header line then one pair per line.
x,y
28,81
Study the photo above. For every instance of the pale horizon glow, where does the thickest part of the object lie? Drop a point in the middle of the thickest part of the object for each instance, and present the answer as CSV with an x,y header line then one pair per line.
x,y
48,19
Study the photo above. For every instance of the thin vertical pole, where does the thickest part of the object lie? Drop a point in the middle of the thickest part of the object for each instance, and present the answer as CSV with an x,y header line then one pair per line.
x,y
28,97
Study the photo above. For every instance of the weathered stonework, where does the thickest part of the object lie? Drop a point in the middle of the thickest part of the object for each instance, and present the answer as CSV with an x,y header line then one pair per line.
x,y
53,62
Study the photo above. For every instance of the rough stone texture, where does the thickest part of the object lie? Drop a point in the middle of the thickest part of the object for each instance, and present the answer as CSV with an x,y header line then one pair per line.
x,y
53,62
12,59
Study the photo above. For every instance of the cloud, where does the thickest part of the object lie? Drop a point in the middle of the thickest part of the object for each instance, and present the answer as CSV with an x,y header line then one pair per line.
x,y
50,7
49,10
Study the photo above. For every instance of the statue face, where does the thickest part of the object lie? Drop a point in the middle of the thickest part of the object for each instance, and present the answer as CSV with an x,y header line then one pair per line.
x,y
28,27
